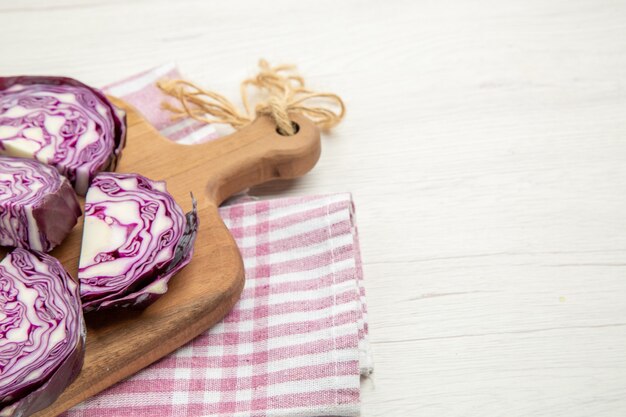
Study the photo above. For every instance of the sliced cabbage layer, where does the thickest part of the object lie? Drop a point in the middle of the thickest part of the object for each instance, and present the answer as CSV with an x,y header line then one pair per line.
x,y
42,332
135,238
38,207
61,122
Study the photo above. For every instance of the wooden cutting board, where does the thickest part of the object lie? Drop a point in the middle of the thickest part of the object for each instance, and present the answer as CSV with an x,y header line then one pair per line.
x,y
121,343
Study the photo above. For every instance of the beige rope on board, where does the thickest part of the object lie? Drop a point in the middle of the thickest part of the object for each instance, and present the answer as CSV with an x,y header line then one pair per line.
x,y
282,92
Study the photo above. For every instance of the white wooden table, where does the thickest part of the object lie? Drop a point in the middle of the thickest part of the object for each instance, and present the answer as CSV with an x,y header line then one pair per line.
x,y
485,146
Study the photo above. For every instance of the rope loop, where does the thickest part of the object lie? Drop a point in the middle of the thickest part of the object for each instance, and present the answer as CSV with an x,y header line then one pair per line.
x,y
282,92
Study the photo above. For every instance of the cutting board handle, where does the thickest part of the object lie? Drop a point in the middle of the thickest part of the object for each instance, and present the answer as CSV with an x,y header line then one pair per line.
x,y
257,154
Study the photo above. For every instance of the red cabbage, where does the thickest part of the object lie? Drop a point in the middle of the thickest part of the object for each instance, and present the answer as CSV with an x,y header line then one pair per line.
x,y
42,332
38,207
61,122
135,238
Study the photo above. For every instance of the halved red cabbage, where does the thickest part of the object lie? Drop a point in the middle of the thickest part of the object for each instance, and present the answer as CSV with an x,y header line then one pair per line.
x,y
42,332
61,122
38,207
135,238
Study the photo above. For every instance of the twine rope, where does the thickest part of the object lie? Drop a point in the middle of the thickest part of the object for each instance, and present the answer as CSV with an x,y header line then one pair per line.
x,y
282,90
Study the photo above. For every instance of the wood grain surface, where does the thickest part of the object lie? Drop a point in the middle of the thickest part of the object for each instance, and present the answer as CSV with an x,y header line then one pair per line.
x,y
484,145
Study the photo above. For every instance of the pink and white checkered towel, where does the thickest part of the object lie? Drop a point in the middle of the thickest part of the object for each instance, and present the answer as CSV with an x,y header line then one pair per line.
x,y
296,342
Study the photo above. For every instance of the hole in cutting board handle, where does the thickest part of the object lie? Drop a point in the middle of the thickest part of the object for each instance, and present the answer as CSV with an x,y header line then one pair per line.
x,y
296,129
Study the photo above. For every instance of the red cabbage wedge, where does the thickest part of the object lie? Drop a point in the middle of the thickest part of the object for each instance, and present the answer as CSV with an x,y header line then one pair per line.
x,y
135,238
62,122
42,332
38,207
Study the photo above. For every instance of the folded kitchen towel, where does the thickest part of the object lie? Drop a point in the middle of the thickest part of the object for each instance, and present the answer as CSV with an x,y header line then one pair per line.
x,y
296,342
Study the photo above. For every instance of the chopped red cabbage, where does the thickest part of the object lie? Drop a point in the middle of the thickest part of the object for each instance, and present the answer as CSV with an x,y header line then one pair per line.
x,y
61,122
42,332
38,207
135,238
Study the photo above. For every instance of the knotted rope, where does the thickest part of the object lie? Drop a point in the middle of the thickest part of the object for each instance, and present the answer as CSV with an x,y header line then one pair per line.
x,y
282,93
